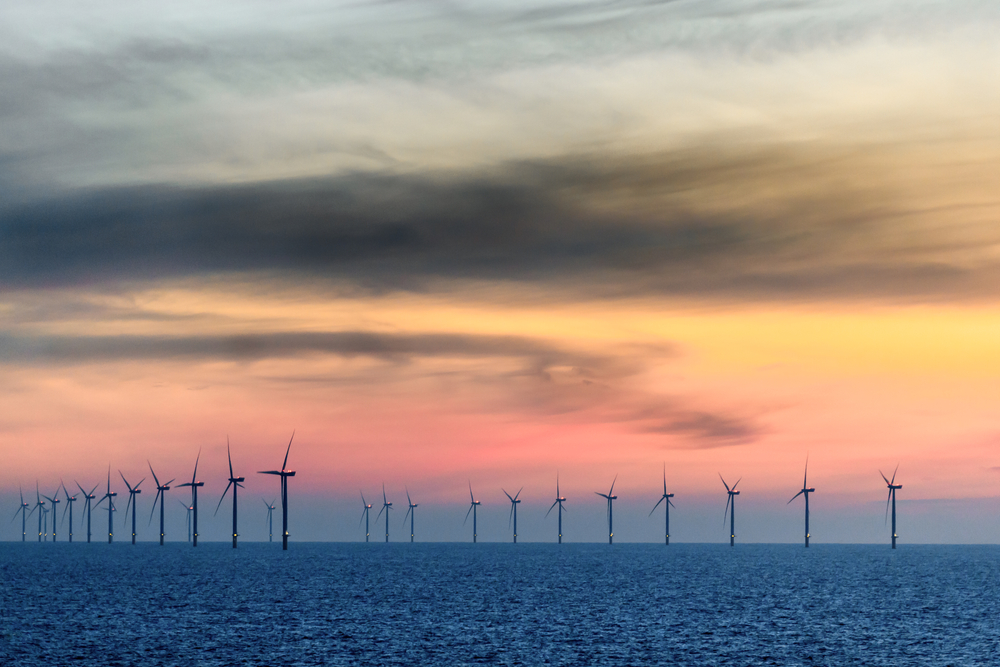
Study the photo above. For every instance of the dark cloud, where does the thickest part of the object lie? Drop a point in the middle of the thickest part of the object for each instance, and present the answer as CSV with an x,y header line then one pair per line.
x,y
670,224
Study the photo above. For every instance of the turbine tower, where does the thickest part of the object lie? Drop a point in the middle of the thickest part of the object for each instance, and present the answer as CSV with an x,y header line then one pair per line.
x,y
805,492
189,509
559,501
87,498
54,501
409,513
514,502
235,483
284,474
386,506
472,510
270,519
45,512
194,484
40,506
892,497
732,514
111,508
161,496
666,496
69,508
23,509
610,498
364,515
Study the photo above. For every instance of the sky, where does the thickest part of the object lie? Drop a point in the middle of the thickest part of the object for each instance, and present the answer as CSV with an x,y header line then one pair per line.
x,y
489,243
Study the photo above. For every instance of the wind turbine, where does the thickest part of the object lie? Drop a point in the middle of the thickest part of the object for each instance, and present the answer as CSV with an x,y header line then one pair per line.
x,y
111,508
364,514
132,493
53,501
559,501
69,508
235,483
611,498
805,492
194,484
892,496
40,506
472,509
23,509
270,519
189,508
666,496
732,514
161,496
409,513
87,497
285,474
514,502
386,506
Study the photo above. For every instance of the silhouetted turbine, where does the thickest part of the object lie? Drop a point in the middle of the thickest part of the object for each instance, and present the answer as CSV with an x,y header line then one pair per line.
x,y
805,492
610,498
559,501
235,483
132,493
514,502
472,510
87,497
69,508
386,506
161,496
23,509
189,509
194,484
666,496
731,498
55,513
409,513
40,506
284,474
892,496
270,521
364,514
111,508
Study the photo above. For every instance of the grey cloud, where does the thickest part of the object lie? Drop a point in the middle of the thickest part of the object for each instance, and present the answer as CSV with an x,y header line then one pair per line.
x,y
678,224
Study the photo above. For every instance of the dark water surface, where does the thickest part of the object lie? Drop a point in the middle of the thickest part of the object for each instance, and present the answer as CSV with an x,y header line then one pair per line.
x,y
530,604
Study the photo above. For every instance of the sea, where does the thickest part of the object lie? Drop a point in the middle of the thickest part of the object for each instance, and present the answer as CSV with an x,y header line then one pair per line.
x,y
498,604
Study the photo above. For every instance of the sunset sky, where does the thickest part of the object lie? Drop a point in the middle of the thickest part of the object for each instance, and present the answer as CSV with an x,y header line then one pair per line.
x,y
492,241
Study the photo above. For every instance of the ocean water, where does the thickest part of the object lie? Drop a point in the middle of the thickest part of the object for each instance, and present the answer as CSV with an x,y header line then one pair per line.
x,y
525,604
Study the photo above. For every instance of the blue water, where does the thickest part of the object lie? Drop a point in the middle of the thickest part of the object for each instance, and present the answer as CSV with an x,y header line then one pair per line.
x,y
530,604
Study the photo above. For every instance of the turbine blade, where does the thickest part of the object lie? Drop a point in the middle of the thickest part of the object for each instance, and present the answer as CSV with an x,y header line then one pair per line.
x,y
612,491
557,485
518,493
506,494
154,474
724,483
159,495
551,508
223,498
726,513
78,485
671,503
284,465
887,482
470,492
894,474
406,515
363,501
664,479
888,498
664,497
737,483
511,517
230,455
194,477
467,514
805,475
408,501
380,512
795,496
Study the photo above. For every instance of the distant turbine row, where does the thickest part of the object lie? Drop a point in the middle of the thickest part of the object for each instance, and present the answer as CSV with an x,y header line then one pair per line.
x,y
236,483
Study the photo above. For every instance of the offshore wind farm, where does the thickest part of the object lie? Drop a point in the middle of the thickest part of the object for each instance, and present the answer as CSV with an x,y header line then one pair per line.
x,y
466,253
